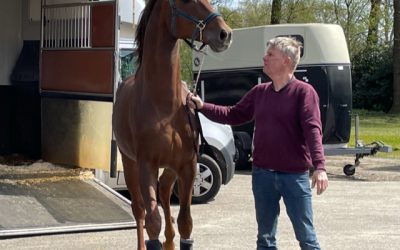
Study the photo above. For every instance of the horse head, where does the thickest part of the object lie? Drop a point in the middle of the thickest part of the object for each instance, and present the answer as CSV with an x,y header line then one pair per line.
x,y
197,20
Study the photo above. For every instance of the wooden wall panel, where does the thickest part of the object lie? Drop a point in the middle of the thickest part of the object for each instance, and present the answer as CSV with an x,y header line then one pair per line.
x,y
83,71
103,25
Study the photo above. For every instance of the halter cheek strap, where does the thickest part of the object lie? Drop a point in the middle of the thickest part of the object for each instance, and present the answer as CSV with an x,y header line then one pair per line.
x,y
200,24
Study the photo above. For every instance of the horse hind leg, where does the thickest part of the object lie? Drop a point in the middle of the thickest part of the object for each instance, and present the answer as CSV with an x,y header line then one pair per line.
x,y
131,174
166,182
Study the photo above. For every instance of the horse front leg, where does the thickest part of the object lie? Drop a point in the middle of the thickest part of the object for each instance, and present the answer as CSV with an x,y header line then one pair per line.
x,y
131,174
185,223
148,176
166,182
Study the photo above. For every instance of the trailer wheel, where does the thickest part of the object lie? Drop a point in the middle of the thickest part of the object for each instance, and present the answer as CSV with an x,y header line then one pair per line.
x,y
349,170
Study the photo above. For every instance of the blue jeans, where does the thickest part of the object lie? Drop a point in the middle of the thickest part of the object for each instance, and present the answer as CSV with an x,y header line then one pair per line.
x,y
268,188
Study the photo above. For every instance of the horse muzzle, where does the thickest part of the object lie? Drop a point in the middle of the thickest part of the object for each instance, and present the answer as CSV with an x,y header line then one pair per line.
x,y
219,41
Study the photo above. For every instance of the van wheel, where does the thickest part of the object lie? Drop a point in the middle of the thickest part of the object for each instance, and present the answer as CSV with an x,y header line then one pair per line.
x,y
207,182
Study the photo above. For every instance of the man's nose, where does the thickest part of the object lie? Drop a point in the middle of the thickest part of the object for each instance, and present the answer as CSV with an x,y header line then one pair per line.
x,y
265,58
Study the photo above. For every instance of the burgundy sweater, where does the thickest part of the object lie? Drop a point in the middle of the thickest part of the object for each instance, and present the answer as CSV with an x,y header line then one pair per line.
x,y
288,131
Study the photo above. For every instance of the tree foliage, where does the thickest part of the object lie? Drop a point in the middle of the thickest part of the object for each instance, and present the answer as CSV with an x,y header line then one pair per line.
x,y
254,12
186,63
372,73
373,23
276,11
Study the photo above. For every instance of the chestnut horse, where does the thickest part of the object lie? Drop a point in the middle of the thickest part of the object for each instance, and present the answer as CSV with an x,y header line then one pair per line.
x,y
151,124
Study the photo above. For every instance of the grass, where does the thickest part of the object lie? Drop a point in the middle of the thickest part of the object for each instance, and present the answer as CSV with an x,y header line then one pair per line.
x,y
378,126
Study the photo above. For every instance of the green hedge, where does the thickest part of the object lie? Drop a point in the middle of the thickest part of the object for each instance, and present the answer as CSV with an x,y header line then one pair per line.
x,y
372,77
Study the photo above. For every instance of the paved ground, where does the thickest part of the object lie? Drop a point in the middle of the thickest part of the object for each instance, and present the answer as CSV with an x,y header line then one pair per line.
x,y
359,212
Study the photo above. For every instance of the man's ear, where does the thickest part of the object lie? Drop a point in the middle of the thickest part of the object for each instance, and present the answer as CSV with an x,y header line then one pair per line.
x,y
288,60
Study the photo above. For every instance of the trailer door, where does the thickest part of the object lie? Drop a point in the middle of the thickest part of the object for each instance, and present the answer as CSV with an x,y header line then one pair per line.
x,y
77,79
78,75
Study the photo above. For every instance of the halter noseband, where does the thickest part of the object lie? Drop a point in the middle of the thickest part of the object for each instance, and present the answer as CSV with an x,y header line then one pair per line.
x,y
200,24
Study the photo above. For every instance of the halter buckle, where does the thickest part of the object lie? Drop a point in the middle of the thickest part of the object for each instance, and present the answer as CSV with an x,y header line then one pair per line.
x,y
201,25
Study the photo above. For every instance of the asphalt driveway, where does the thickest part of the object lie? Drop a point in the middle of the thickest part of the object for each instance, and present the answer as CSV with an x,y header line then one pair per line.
x,y
359,212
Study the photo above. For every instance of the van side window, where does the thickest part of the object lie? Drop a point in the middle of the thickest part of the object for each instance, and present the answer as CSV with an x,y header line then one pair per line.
x,y
298,38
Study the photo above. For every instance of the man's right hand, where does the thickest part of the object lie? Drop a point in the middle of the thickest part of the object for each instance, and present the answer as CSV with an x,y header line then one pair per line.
x,y
195,102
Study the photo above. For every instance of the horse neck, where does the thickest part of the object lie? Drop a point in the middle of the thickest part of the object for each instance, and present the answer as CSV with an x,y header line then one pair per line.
x,y
161,65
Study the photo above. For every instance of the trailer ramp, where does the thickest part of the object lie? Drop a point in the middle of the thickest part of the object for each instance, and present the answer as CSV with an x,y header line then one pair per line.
x,y
58,200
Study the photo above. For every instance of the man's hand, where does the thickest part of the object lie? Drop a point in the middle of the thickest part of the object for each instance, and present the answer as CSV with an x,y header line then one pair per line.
x,y
320,179
195,102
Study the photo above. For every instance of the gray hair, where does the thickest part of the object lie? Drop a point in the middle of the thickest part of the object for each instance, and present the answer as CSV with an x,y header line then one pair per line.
x,y
288,46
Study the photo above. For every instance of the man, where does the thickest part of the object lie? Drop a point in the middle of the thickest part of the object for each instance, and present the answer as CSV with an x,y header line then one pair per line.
x,y
287,143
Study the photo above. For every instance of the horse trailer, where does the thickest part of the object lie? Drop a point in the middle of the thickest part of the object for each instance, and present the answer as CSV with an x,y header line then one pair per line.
x,y
58,75
325,64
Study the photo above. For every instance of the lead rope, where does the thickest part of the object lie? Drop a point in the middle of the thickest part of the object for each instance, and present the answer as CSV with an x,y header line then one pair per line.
x,y
195,82
203,142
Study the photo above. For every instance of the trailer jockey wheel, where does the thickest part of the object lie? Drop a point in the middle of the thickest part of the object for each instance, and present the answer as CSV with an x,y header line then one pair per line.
x,y
349,170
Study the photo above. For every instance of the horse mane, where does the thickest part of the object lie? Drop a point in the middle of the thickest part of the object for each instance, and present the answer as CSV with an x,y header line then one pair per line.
x,y
141,29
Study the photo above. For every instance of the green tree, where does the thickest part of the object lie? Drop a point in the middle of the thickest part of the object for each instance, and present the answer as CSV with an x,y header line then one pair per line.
x,y
298,11
232,17
276,11
255,12
373,23
352,16
186,63
387,20
372,73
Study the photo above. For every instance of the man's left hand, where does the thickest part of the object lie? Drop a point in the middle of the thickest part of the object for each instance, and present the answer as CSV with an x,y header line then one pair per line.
x,y
319,179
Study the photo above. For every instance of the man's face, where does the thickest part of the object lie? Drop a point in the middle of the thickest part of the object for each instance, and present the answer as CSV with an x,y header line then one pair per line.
x,y
275,62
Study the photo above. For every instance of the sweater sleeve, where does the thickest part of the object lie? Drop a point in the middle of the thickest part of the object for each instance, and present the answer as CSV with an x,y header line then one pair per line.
x,y
240,113
312,127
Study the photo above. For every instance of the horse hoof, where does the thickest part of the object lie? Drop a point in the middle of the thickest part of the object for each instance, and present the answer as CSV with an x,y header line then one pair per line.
x,y
153,245
186,244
